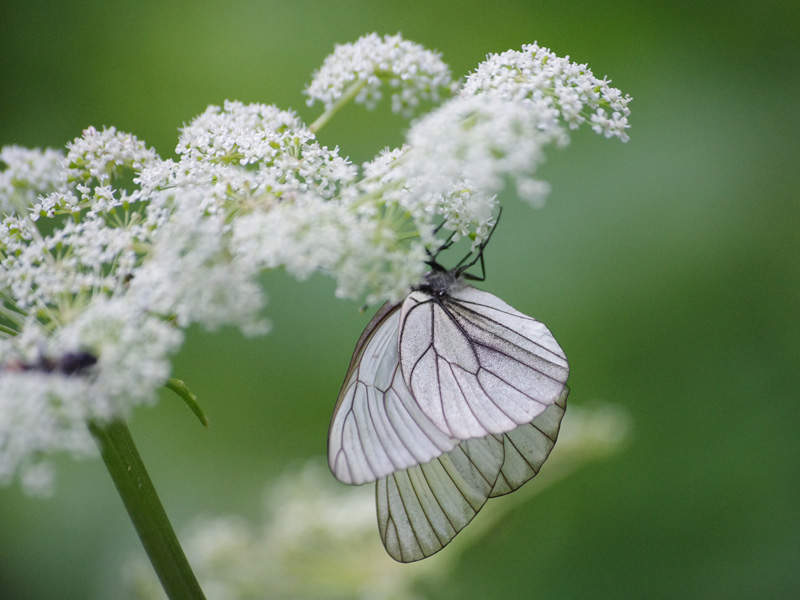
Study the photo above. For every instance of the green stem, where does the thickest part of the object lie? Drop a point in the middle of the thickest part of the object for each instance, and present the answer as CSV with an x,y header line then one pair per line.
x,y
145,510
346,97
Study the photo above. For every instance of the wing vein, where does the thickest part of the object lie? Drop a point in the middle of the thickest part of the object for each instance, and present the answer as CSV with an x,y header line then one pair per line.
x,y
405,508
477,325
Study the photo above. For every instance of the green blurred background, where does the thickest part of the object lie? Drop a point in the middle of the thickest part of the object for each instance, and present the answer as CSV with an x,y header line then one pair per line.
x,y
666,267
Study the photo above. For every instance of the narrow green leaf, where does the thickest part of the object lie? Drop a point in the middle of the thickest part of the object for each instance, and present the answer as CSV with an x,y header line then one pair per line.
x,y
183,391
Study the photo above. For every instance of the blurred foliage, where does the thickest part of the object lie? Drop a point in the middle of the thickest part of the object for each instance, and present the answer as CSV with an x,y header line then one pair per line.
x,y
667,269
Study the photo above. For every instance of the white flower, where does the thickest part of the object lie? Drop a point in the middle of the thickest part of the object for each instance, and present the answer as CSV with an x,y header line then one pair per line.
x,y
133,351
557,86
241,134
362,251
51,386
27,173
411,72
459,156
191,276
72,261
243,156
99,164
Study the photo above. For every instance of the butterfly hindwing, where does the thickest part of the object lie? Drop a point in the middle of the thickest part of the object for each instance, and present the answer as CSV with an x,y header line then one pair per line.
x,y
528,446
421,509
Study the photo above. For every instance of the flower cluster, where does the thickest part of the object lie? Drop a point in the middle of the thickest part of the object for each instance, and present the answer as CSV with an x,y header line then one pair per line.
x,y
25,174
481,141
366,67
108,251
560,89
73,347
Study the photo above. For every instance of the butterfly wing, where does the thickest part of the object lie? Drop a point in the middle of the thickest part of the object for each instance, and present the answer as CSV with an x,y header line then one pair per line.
x,y
528,446
422,508
377,426
475,365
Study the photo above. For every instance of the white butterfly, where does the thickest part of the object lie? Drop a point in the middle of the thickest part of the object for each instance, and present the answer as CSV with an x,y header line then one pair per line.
x,y
452,397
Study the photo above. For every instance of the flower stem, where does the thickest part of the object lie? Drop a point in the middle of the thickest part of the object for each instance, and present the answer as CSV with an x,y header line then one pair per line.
x,y
350,93
145,510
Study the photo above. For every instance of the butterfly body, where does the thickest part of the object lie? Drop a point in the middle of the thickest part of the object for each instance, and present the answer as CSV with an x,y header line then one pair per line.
x,y
452,397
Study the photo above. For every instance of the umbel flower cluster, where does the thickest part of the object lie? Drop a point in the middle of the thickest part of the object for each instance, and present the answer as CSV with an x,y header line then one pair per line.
x,y
109,252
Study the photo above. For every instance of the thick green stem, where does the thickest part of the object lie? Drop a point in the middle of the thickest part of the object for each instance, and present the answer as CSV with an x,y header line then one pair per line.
x,y
145,510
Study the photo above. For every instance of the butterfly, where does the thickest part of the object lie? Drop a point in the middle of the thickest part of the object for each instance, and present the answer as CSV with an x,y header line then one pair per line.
x,y
452,397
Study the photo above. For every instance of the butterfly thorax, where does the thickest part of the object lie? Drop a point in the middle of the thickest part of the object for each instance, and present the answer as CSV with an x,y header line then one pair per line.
x,y
441,283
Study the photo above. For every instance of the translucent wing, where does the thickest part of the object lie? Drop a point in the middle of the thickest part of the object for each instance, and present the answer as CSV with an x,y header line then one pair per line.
x,y
422,508
528,446
475,365
377,426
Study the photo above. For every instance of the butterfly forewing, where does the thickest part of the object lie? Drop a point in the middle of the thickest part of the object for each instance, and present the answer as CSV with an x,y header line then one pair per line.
x,y
475,365
377,426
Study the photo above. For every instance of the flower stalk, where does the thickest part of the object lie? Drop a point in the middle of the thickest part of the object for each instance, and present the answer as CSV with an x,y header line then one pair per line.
x,y
350,93
145,509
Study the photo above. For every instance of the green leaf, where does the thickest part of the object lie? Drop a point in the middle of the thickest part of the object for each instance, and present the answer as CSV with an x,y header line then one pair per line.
x,y
183,391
